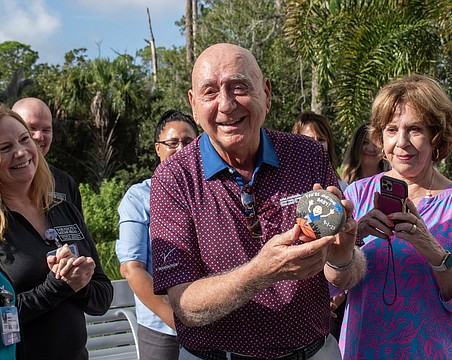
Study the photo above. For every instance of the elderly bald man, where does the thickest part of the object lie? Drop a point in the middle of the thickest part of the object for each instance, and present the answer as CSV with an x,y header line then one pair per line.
x,y
39,118
243,280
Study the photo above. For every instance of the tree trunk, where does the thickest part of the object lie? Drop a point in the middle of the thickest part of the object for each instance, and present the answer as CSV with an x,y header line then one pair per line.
x,y
316,106
151,42
189,30
194,23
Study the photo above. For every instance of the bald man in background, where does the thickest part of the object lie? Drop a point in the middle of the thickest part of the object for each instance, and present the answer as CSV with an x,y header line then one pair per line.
x,y
39,118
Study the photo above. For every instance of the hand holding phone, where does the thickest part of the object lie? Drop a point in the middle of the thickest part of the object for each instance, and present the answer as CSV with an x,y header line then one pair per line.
x,y
393,194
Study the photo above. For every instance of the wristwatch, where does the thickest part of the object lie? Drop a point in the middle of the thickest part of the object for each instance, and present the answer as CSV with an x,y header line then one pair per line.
x,y
446,264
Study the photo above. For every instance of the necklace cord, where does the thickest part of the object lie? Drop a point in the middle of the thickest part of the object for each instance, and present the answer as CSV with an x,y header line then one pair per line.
x,y
386,299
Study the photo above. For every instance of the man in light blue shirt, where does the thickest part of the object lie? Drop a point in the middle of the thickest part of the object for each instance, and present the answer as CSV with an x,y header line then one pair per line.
x,y
156,330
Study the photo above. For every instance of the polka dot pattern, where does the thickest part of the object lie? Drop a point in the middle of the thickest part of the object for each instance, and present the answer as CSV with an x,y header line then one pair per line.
x,y
198,229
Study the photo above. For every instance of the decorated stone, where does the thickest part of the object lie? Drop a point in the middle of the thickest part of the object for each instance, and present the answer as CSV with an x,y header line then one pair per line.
x,y
320,213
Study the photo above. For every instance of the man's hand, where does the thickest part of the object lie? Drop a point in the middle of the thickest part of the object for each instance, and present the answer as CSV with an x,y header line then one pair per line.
x,y
280,259
209,299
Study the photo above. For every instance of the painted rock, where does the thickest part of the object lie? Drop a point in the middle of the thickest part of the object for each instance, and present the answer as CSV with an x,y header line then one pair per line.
x,y
320,213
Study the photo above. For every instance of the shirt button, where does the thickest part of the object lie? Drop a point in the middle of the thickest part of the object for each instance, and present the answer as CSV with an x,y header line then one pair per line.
x,y
231,171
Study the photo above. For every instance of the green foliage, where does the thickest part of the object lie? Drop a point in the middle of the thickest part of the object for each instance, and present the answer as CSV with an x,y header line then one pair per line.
x,y
344,50
15,88
357,46
389,47
16,65
15,55
101,217
108,259
100,209
134,174
170,91
45,76
108,101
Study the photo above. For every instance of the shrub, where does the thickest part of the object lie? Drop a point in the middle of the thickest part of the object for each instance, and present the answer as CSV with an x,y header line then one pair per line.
x,y
101,210
108,259
101,217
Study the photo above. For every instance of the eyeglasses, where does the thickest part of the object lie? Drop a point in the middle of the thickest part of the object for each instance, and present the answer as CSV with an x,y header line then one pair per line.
x,y
174,144
252,221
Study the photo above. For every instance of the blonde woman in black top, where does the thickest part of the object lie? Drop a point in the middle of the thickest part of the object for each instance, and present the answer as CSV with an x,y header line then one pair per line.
x,y
53,292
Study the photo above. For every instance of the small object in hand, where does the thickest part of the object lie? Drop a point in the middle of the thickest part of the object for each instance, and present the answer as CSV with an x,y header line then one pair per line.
x,y
320,213
72,247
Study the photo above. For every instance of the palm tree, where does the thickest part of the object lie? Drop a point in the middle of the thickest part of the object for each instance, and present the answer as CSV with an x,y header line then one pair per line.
x,y
357,46
107,98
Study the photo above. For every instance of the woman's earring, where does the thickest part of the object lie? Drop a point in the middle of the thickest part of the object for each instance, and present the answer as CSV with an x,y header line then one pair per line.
x,y
383,154
436,152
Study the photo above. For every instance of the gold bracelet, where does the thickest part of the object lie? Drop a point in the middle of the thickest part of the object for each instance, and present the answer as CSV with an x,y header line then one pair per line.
x,y
345,267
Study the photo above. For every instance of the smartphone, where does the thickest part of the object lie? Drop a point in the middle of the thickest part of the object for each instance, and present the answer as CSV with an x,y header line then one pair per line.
x,y
72,247
393,194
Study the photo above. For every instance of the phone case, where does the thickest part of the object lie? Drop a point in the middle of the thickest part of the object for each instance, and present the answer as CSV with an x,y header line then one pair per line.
x,y
393,193
72,247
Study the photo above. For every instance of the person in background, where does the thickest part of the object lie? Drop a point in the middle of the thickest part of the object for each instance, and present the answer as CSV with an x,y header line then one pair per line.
x,y
362,158
402,309
39,119
317,127
7,302
242,280
156,330
47,251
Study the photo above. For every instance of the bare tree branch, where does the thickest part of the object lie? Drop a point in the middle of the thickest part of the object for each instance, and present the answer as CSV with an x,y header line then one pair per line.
x,y
151,42
189,30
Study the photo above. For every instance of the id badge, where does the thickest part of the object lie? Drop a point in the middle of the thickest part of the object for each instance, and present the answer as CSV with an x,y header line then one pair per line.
x,y
9,319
